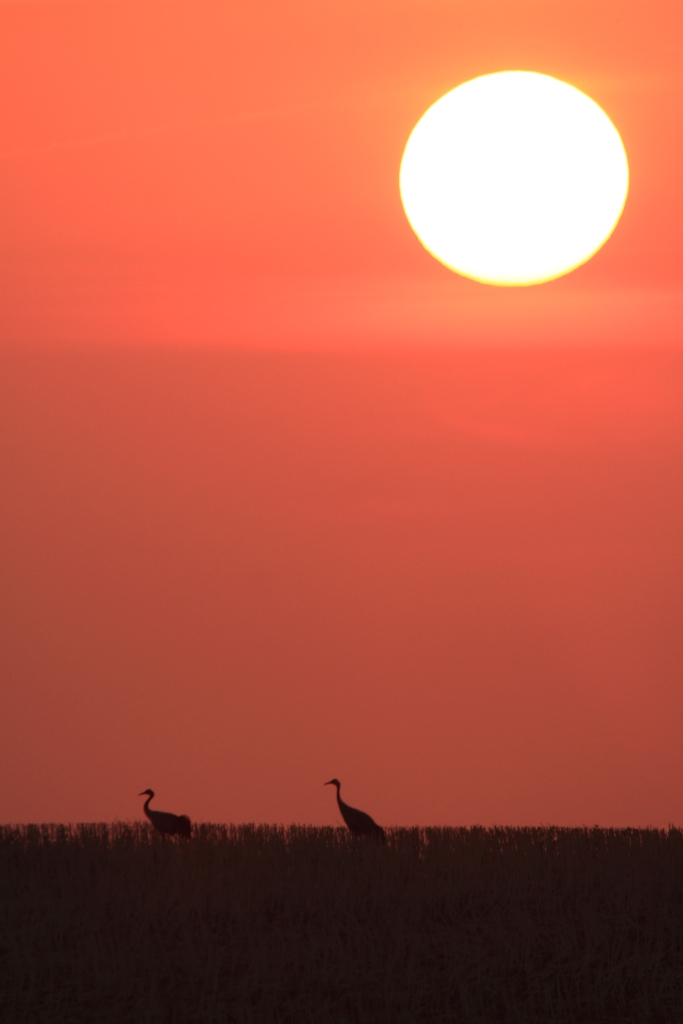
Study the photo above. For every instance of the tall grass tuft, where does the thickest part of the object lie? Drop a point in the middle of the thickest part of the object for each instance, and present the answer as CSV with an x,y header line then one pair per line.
x,y
111,923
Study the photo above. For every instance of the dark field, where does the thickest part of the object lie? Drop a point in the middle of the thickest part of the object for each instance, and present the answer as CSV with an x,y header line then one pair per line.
x,y
111,923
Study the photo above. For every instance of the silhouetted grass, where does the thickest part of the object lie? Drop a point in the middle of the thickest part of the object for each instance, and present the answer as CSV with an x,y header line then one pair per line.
x,y
112,924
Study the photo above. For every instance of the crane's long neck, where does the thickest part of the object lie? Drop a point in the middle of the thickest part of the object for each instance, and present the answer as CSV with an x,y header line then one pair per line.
x,y
146,807
340,802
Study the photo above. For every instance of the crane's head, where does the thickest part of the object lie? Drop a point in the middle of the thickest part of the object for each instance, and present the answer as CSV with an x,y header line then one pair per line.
x,y
147,792
333,782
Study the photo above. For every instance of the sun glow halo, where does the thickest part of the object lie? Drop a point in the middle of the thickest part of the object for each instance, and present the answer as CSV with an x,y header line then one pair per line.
x,y
514,178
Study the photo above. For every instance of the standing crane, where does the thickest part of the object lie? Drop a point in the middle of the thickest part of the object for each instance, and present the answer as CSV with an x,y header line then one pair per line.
x,y
165,822
357,822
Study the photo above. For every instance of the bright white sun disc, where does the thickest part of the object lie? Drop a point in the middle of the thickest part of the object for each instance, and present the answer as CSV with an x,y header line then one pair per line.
x,y
514,178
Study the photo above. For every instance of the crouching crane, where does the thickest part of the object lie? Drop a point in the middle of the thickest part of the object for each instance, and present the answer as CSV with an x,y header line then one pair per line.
x,y
357,822
165,822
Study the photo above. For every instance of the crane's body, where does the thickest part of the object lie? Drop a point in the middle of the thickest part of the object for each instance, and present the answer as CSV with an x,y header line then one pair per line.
x,y
165,822
357,822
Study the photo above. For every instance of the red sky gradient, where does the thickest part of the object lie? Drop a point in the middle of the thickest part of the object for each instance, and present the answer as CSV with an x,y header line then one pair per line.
x,y
281,497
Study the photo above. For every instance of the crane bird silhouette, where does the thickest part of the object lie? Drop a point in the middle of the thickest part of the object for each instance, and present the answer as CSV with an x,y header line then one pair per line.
x,y
357,822
165,822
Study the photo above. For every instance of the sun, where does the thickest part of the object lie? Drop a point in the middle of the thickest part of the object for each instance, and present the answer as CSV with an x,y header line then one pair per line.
x,y
514,178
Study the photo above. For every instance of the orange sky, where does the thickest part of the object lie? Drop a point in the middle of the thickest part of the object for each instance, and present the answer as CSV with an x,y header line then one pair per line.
x,y
283,498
